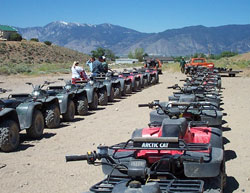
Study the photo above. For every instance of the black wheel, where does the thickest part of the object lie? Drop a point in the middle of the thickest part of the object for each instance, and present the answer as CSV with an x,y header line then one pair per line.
x,y
216,184
112,95
145,81
138,85
135,86
128,87
153,81
142,83
157,78
117,92
82,105
70,114
9,136
37,127
52,116
103,97
94,103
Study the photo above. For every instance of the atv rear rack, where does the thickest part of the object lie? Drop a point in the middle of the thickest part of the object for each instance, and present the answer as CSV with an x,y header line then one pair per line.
x,y
166,186
162,143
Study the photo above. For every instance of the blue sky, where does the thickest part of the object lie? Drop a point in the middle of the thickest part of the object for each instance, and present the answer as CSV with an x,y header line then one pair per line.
x,y
141,15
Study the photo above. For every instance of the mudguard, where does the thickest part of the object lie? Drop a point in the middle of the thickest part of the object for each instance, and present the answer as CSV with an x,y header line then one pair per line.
x,y
108,85
9,112
209,168
25,113
122,83
63,101
90,92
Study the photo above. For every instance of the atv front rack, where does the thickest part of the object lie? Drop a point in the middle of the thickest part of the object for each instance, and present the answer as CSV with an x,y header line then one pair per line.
x,y
166,186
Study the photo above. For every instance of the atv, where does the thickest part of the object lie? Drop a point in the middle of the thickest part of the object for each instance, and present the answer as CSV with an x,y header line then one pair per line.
x,y
193,94
135,79
49,105
138,174
126,84
15,116
192,111
78,95
162,162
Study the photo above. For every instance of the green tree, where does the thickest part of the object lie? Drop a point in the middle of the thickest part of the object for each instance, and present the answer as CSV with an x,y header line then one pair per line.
x,y
34,39
103,52
131,55
98,52
138,54
48,43
228,54
15,37
110,54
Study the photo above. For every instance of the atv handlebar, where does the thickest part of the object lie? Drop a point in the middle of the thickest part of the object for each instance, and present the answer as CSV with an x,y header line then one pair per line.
x,y
76,158
143,105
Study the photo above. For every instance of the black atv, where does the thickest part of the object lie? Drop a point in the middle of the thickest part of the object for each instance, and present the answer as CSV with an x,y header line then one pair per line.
x,y
15,116
48,105
78,94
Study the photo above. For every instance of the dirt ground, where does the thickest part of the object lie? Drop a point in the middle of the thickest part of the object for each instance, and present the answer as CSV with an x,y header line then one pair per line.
x,y
39,166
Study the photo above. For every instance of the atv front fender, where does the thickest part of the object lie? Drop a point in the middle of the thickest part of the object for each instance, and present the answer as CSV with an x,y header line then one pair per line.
x,y
108,87
25,113
90,92
63,100
8,113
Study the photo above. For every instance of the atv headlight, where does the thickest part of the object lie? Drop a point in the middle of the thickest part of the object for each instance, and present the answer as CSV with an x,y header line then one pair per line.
x,y
36,93
108,78
60,101
91,82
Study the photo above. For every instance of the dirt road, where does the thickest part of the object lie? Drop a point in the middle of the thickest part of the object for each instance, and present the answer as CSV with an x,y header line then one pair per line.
x,y
39,166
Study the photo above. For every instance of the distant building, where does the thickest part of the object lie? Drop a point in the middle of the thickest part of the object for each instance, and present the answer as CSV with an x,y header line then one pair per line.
x,y
125,61
162,59
6,31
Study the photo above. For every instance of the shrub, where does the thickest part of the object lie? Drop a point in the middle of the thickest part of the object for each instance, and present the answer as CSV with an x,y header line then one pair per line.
x,y
15,37
48,43
34,39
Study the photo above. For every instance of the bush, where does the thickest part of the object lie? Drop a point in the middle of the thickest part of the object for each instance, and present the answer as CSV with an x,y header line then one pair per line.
x,y
15,37
48,43
34,39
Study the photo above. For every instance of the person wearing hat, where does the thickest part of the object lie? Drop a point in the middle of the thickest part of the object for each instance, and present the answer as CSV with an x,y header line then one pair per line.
x,y
78,73
182,64
104,64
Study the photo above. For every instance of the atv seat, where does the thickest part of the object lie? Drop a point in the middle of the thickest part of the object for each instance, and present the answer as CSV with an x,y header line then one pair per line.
x,y
187,98
11,103
174,127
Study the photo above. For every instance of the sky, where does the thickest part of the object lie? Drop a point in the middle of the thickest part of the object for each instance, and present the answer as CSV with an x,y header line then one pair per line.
x,y
141,15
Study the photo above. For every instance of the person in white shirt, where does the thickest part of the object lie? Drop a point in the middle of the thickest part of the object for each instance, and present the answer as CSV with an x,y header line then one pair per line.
x,y
78,72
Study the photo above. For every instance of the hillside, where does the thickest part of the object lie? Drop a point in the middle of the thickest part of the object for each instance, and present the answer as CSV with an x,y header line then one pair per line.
x,y
35,57
121,40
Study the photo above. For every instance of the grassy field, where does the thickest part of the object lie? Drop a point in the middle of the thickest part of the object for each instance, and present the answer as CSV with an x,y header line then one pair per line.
x,y
36,58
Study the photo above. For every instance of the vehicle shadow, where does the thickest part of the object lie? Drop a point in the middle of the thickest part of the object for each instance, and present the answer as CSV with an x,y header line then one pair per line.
x,y
230,155
225,140
226,129
24,138
232,185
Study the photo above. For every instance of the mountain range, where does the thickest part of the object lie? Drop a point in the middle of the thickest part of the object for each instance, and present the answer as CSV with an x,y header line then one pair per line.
x,y
121,40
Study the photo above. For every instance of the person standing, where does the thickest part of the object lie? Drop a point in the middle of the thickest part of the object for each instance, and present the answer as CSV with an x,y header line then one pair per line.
x,y
182,64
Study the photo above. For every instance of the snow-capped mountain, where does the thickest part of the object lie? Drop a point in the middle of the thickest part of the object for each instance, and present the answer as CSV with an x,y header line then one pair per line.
x,y
184,41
